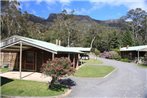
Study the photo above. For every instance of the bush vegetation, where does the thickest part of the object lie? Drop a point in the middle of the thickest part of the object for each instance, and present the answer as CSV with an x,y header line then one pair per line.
x,y
110,55
83,29
124,60
96,51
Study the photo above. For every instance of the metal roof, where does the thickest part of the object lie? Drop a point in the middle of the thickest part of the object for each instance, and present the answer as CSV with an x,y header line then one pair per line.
x,y
134,48
35,43
80,49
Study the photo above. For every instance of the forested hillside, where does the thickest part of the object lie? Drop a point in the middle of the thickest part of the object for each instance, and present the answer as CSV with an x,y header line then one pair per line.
x,y
75,30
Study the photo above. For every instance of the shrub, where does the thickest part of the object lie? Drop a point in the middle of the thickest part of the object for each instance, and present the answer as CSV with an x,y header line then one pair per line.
x,y
114,55
110,55
124,60
97,52
57,68
105,54
116,50
92,50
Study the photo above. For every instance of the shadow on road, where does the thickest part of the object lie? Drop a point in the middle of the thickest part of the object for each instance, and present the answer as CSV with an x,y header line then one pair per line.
x,y
68,82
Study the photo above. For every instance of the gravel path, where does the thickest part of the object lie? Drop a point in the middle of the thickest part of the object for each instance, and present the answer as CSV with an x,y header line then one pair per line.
x,y
129,81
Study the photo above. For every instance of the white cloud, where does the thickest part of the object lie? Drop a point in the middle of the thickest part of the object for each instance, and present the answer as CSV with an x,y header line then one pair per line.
x,y
33,12
67,9
47,1
81,11
64,1
96,4
130,4
86,11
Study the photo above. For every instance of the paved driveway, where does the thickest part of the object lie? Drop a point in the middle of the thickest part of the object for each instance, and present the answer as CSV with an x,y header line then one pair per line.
x,y
129,81
35,76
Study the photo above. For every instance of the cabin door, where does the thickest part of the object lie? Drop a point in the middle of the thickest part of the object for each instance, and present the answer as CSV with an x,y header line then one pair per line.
x,y
30,61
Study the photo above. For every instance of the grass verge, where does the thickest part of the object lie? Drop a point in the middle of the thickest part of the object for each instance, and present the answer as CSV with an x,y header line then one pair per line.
x,y
142,65
28,88
92,61
93,71
4,70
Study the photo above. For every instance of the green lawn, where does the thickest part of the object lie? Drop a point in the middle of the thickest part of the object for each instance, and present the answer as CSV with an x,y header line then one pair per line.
x,y
92,61
93,71
142,65
28,88
4,70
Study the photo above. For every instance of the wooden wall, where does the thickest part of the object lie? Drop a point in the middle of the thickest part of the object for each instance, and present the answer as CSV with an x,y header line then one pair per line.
x,y
131,54
8,58
41,57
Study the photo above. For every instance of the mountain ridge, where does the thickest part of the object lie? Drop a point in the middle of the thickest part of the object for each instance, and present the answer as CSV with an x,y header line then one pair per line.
x,y
80,18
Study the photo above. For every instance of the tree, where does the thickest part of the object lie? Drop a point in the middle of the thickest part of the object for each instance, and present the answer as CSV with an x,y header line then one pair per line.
x,y
57,68
127,39
114,41
144,30
12,20
72,30
136,22
107,38
63,27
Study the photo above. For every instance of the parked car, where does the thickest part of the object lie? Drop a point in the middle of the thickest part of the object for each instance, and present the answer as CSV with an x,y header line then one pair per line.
x,y
84,57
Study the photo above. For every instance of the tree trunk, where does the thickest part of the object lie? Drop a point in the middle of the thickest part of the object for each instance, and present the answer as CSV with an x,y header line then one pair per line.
x,y
51,84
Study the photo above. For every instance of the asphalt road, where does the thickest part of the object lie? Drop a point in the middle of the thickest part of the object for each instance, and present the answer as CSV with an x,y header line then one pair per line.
x,y
129,81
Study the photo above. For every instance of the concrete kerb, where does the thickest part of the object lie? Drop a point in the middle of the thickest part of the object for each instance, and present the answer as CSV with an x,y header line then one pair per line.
x,y
58,96
110,73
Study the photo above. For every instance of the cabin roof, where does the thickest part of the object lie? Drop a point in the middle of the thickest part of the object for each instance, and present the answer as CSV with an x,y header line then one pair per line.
x,y
87,49
36,43
134,48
